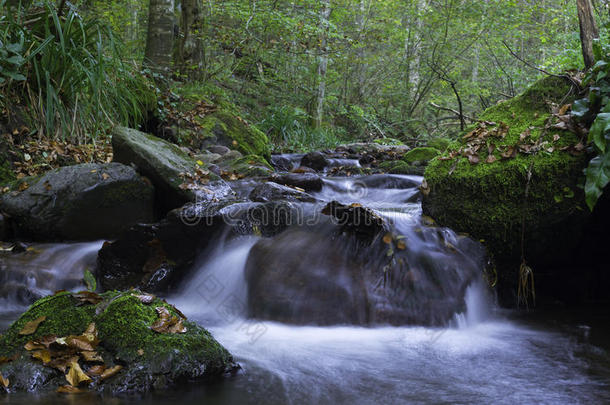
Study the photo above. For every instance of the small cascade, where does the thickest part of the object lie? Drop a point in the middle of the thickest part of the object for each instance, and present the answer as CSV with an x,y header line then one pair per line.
x,y
43,269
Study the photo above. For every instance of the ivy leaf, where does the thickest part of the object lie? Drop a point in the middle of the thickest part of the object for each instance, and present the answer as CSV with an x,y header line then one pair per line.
x,y
598,176
580,108
599,128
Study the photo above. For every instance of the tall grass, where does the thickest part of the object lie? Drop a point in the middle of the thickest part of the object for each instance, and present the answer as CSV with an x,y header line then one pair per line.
x,y
289,129
72,80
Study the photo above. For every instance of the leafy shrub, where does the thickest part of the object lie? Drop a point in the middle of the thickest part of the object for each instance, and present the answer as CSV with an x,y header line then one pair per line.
x,y
595,109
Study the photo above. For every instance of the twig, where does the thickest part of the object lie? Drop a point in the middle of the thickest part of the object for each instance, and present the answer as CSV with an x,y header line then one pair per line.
x,y
451,110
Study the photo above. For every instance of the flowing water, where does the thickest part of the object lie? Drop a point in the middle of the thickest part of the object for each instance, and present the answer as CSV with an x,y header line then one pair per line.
x,y
481,355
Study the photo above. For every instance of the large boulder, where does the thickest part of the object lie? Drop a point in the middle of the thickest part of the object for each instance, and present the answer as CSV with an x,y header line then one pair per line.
x,y
81,202
114,343
164,163
315,160
515,167
352,268
305,181
271,191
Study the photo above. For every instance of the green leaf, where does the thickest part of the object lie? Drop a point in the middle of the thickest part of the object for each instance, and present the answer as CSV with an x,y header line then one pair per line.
x,y
600,127
598,176
90,280
14,75
15,60
580,108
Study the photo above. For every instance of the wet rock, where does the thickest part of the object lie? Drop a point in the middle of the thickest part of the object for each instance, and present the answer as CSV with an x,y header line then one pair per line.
x,y
248,166
209,158
355,219
303,169
281,163
156,257
270,191
219,149
123,324
315,160
305,181
81,202
158,160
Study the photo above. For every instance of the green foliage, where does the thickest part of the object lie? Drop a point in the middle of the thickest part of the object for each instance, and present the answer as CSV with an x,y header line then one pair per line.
x,y
595,108
68,71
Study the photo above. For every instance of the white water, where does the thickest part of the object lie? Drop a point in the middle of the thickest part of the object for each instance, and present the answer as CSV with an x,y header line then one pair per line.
x,y
480,358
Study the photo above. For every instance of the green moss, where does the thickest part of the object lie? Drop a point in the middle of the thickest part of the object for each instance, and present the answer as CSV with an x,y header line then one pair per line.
x,y
487,200
400,167
388,141
123,323
423,154
439,143
250,166
227,128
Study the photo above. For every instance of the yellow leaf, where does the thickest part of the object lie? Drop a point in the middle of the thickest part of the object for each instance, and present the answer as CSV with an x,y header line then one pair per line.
x,y
105,176
91,357
111,372
4,381
42,355
96,370
76,376
387,238
200,163
31,326
68,389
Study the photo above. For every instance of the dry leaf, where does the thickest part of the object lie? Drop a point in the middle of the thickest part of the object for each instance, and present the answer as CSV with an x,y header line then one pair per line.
x,y
32,326
556,138
401,245
387,238
88,297
140,352
146,299
111,372
4,381
105,176
76,376
91,357
97,370
68,389
490,159
42,355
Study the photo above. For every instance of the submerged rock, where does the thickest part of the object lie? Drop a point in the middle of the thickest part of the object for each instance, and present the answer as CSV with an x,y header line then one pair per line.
x,y
114,343
305,181
270,191
81,202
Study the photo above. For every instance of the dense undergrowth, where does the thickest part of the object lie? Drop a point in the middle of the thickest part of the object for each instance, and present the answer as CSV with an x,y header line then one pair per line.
x,y
63,76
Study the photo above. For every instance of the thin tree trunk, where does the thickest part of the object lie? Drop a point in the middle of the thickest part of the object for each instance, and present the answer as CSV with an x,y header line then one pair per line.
x,y
160,37
190,46
588,30
361,52
322,63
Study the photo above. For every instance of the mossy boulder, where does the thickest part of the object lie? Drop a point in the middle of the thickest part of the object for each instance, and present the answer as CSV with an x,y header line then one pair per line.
x,y
162,162
225,128
440,144
423,155
80,202
150,360
482,191
248,166
400,167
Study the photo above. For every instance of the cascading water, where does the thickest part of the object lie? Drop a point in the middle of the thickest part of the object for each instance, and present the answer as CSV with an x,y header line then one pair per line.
x,y
468,353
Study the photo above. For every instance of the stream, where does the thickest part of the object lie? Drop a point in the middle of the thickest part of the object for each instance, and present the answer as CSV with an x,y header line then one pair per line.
x,y
482,354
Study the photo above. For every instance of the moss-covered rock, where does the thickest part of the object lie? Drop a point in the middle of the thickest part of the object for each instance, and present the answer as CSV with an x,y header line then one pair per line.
x,y
150,360
423,155
225,128
488,199
162,162
248,166
401,167
440,144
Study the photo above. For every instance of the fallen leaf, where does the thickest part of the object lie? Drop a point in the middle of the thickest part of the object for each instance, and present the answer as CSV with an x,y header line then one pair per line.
x,y
4,381
68,389
105,176
146,299
91,357
32,326
564,109
473,159
42,355
97,370
556,138
387,238
140,352
111,372
167,323
401,245
76,376
490,159
88,297
23,186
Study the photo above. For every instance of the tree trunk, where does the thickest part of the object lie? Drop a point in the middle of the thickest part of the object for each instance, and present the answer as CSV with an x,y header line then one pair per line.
x,y
190,46
588,30
160,37
322,63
